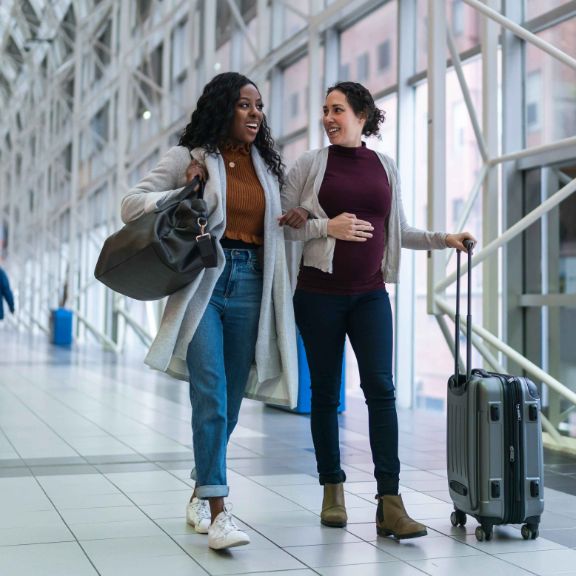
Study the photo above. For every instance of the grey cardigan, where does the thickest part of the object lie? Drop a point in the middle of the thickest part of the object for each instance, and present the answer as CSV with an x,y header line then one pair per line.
x,y
302,188
274,377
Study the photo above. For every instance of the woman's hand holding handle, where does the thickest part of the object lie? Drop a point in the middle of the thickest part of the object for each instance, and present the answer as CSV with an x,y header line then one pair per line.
x,y
194,169
461,241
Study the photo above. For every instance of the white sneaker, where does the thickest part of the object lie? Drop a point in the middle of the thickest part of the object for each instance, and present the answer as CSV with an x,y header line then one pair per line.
x,y
223,533
198,515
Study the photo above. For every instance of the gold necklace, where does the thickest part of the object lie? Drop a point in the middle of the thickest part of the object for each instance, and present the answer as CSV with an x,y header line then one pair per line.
x,y
234,157
235,153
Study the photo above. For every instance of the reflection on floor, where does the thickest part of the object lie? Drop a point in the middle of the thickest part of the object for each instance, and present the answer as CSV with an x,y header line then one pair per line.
x,y
94,464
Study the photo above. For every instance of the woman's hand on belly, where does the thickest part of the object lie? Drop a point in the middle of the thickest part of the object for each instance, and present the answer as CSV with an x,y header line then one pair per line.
x,y
347,227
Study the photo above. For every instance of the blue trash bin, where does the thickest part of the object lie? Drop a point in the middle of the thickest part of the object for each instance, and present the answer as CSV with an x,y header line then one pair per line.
x,y
61,327
304,394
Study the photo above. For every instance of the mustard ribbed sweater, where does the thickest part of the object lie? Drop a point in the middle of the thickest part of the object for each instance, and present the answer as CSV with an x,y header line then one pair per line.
x,y
245,203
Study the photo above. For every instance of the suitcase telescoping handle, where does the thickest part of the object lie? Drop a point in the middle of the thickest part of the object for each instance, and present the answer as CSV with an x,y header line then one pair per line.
x,y
469,245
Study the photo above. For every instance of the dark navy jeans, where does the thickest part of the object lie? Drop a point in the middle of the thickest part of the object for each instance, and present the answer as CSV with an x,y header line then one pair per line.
x,y
324,320
219,359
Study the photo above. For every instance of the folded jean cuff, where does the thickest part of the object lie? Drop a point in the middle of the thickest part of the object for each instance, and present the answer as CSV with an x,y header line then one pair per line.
x,y
212,491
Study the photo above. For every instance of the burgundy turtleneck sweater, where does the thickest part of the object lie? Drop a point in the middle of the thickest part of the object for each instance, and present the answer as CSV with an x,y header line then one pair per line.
x,y
356,182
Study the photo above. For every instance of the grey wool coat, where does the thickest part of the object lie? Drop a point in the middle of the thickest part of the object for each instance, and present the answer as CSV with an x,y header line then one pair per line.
x,y
274,377
302,189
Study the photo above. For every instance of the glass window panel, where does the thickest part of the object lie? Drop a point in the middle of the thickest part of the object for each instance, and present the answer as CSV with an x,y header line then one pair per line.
x,y
433,360
295,105
248,56
294,149
567,231
143,168
567,285
143,9
222,58
295,108
387,141
533,8
180,55
371,63
550,109
550,267
430,352
464,22
226,22
293,16
178,97
264,87
103,50
457,17
463,159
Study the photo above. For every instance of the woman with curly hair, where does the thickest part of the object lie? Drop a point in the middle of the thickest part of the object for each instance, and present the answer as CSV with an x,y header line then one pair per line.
x,y
344,202
231,332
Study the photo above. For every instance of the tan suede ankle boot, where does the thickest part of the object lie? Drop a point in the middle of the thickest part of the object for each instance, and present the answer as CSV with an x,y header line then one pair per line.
x,y
333,507
393,520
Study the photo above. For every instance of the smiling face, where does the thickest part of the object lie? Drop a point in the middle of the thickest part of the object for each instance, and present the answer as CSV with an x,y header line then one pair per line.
x,y
247,115
342,125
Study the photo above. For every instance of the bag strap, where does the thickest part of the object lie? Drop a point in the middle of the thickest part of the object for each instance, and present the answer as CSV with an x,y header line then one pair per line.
x,y
188,190
196,182
196,179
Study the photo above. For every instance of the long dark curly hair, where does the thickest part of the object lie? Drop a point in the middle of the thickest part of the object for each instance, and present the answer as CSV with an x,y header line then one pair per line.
x,y
210,123
361,100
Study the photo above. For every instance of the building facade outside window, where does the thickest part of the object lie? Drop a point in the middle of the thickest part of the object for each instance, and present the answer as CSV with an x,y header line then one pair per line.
x,y
365,66
550,95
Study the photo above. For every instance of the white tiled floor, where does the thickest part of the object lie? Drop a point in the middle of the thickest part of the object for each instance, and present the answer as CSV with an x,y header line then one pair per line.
x,y
94,478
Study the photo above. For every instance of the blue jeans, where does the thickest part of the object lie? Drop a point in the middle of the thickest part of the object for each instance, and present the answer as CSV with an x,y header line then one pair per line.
x,y
324,320
219,358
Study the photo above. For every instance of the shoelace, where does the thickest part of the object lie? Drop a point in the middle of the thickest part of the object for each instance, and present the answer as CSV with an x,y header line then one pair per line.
x,y
203,508
226,521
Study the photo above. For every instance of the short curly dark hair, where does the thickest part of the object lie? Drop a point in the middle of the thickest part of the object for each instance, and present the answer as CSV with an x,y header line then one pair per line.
x,y
210,123
362,103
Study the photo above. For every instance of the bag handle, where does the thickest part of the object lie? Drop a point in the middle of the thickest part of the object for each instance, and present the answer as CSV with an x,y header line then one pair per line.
x,y
188,190
469,245
196,178
191,186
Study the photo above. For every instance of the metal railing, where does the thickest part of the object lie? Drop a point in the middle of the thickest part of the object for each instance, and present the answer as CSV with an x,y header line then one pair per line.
x,y
483,340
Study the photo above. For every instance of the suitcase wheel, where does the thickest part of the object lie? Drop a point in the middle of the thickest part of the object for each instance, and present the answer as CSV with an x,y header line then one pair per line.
x,y
458,518
529,532
483,533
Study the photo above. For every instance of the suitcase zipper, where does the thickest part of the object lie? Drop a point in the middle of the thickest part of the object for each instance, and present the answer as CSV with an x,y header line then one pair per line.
x,y
514,440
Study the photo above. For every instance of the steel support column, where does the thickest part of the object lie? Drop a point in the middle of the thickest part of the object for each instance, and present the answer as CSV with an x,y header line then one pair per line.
x,y
511,196
314,78
405,130
490,196
209,33
436,140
